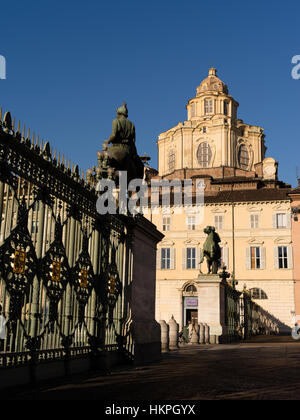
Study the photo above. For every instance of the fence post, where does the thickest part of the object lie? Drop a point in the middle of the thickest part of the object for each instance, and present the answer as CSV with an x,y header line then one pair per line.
x,y
34,312
68,303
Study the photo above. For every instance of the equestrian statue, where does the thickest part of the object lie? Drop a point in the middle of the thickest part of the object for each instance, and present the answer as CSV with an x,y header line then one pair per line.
x,y
122,154
211,250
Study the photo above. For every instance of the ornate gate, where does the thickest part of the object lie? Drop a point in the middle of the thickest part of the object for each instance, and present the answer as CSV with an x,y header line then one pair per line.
x,y
63,268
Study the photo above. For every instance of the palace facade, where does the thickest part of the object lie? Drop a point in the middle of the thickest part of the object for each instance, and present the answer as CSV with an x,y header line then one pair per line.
x,y
243,198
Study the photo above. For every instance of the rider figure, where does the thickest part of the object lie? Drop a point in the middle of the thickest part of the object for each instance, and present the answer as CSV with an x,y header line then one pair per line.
x,y
123,150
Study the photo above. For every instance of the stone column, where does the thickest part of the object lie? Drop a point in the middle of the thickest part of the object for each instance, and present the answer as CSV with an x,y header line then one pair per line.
x,y
164,327
211,304
173,334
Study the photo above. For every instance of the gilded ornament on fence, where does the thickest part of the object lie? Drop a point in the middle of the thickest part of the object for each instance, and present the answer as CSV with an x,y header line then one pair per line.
x,y
19,264
83,278
56,269
112,286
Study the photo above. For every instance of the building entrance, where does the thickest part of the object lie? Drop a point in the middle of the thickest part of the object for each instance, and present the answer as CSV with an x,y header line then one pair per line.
x,y
190,310
191,316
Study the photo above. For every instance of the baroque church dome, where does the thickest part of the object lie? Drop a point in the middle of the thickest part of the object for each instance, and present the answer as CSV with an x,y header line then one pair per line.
x,y
212,83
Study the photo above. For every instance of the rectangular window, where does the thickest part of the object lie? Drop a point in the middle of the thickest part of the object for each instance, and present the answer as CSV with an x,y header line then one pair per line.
x,y
165,258
225,108
255,257
254,221
225,256
282,257
193,110
191,222
166,223
281,220
208,106
219,222
191,258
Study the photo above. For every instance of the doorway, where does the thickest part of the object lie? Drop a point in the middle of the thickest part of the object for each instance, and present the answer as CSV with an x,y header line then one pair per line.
x,y
191,316
190,309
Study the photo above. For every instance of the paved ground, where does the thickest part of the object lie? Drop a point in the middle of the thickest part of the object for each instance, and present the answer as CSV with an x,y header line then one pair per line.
x,y
261,369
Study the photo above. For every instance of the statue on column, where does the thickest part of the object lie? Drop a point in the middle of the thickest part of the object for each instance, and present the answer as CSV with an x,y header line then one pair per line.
x,y
122,154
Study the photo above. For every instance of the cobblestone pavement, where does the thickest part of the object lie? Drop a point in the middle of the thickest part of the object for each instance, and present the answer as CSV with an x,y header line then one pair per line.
x,y
266,368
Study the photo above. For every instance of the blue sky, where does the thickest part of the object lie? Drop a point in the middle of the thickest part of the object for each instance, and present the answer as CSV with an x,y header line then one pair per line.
x,y
70,64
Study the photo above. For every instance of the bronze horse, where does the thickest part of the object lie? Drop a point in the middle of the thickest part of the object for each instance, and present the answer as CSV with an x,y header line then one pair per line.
x,y
211,250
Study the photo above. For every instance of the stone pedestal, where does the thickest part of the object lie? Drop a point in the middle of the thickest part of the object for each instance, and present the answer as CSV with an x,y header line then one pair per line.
x,y
140,293
211,305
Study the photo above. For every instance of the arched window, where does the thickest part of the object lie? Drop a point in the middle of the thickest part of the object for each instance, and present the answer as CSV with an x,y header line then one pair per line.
x,y
257,293
204,155
171,162
190,289
243,157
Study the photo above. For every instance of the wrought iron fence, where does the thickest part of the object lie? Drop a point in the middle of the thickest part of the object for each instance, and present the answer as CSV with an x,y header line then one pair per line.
x,y
232,312
243,317
255,319
64,270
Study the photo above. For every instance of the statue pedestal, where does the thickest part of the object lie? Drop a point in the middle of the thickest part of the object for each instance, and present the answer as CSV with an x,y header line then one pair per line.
x,y
146,332
211,305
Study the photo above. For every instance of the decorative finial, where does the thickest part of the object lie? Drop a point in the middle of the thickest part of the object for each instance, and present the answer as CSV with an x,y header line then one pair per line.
x,y
212,71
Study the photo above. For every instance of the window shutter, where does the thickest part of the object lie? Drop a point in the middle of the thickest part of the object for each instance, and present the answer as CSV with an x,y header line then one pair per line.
x,y
262,257
222,223
290,256
216,222
184,258
251,221
248,259
276,260
288,221
172,257
198,255
158,259
226,256
274,219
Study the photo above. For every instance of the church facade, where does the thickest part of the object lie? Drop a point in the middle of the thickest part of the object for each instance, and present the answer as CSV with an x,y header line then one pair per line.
x,y
243,198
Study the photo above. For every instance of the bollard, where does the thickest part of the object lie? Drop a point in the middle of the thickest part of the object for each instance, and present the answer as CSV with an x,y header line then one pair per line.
x,y
164,336
206,334
213,339
201,333
173,334
195,334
